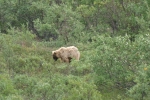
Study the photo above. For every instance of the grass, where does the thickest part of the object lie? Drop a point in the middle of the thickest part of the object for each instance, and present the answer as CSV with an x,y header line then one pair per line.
x,y
34,66
114,94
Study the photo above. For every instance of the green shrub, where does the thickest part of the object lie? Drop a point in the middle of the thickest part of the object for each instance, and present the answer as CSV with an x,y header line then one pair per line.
x,y
116,60
78,88
141,89
25,85
6,86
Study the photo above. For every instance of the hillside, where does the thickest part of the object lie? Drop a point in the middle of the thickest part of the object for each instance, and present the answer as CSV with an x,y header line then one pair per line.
x,y
112,36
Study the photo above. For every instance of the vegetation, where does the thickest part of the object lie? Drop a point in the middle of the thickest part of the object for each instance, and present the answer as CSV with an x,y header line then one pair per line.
x,y
112,36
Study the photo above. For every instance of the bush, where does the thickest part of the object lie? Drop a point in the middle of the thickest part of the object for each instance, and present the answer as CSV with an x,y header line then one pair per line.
x,y
6,86
81,89
116,60
25,85
141,89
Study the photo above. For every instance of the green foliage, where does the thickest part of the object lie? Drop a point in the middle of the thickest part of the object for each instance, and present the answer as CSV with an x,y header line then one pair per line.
x,y
59,22
81,90
57,87
66,20
112,36
116,60
6,85
46,30
35,74
25,84
110,60
140,91
7,89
